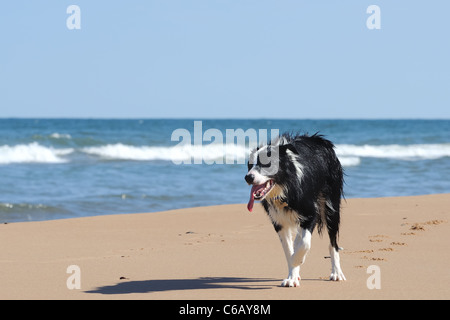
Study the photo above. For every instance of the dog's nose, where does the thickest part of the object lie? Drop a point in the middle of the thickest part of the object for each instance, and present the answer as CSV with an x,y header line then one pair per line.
x,y
249,178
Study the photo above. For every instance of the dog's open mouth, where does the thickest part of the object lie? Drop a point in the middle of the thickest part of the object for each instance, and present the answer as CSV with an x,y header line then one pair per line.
x,y
258,192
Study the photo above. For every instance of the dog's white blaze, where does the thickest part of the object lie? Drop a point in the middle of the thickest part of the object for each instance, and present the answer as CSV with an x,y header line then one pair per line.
x,y
253,159
259,178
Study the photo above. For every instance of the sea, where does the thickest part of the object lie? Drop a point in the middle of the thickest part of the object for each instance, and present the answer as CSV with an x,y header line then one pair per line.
x,y
67,168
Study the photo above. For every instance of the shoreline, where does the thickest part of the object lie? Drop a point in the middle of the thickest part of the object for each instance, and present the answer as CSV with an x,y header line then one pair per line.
x,y
225,252
343,201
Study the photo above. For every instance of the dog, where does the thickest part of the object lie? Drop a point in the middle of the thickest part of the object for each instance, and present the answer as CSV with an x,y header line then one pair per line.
x,y
299,181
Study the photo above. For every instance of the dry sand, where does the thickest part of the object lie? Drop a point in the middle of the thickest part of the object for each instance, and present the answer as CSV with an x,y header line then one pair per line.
x,y
225,252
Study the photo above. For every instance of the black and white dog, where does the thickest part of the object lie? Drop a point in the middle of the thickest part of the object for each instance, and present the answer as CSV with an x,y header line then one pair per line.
x,y
299,181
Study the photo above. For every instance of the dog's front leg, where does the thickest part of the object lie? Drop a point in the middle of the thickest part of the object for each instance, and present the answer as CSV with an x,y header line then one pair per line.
x,y
301,247
287,236
295,252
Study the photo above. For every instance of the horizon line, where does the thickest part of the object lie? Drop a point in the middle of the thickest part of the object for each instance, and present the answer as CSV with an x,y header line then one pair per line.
x,y
227,118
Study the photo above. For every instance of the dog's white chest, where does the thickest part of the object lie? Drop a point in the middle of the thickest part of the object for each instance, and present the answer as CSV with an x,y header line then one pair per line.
x,y
282,216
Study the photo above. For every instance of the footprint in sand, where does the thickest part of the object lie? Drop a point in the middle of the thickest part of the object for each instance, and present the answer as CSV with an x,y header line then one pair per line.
x,y
378,238
414,229
420,226
374,258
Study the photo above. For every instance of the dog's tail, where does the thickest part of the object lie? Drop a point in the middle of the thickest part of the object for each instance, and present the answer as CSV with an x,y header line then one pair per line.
x,y
330,217
330,208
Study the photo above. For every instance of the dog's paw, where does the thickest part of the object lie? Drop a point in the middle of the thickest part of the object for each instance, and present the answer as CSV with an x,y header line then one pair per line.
x,y
337,275
291,282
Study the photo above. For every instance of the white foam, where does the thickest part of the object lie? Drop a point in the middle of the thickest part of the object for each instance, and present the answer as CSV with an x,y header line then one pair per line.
x,y
121,151
394,151
350,161
57,135
180,153
32,153
209,153
349,155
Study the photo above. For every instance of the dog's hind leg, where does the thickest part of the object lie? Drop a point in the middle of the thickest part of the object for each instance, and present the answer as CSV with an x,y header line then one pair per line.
x,y
333,217
336,271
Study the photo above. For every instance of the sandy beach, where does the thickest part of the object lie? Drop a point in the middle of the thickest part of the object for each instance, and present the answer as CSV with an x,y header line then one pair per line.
x,y
225,252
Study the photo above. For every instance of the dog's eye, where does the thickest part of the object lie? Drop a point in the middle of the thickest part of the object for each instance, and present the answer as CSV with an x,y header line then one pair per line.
x,y
263,162
265,165
264,159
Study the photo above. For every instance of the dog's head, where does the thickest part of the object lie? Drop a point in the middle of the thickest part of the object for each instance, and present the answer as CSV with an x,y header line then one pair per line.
x,y
265,169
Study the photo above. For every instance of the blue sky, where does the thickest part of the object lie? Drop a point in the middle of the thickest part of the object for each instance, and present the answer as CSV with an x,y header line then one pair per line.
x,y
225,59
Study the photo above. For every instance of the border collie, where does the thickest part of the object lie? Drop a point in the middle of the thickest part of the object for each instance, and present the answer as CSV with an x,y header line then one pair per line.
x,y
299,181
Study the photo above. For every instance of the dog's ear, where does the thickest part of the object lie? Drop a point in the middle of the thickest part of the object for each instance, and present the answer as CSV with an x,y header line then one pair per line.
x,y
289,146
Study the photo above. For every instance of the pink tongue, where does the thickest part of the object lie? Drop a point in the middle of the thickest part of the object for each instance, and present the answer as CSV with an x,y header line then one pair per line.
x,y
252,198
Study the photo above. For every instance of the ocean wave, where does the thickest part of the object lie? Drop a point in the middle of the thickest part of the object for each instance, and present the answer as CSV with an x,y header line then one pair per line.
x,y
349,155
57,135
52,136
181,153
350,161
13,212
394,151
209,154
27,207
32,153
